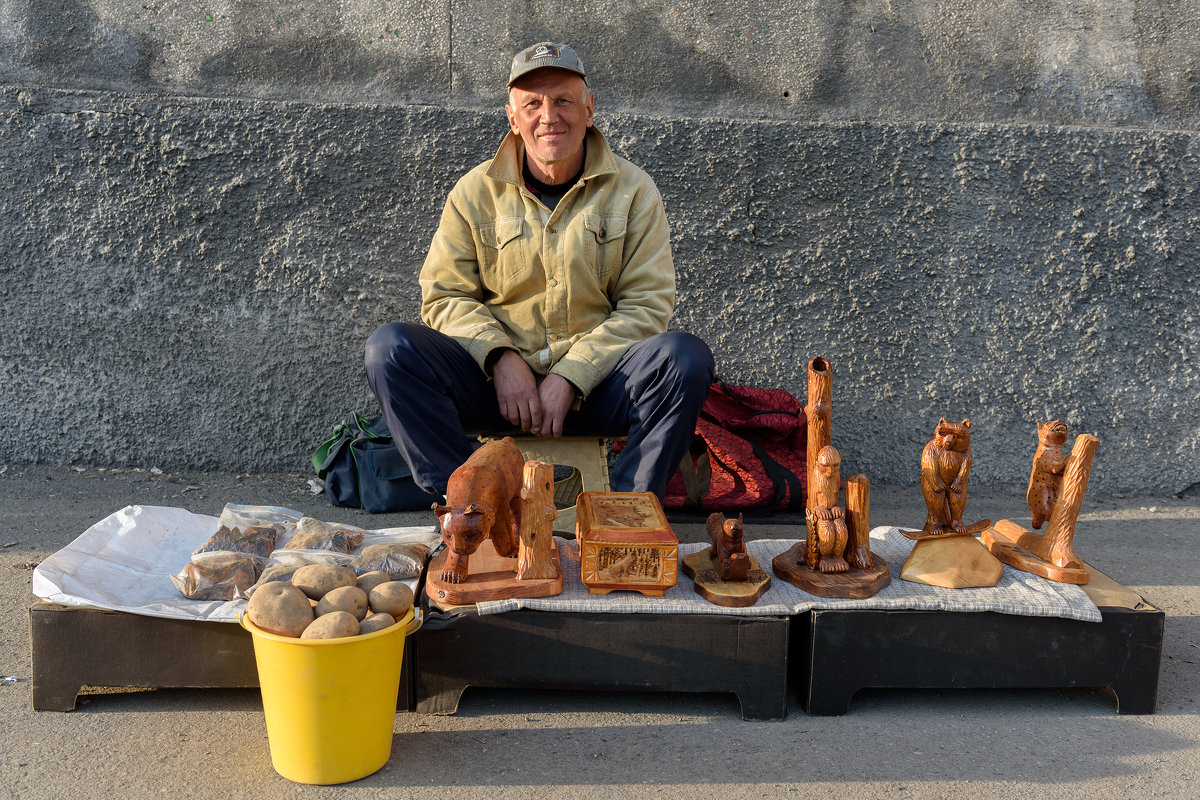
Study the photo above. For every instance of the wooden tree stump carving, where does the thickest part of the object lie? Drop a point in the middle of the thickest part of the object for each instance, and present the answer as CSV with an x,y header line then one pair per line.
x,y
535,553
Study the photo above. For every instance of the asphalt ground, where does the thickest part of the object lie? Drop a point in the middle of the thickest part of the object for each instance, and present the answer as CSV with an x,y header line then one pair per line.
x,y
509,743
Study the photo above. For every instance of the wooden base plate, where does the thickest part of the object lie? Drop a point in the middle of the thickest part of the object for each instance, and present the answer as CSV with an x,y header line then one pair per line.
x,y
732,594
952,562
489,577
925,533
1004,541
855,584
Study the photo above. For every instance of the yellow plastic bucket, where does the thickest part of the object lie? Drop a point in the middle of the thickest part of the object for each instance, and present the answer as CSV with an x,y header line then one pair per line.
x,y
330,703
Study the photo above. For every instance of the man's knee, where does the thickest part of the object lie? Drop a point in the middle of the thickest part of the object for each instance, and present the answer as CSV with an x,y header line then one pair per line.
x,y
388,344
686,358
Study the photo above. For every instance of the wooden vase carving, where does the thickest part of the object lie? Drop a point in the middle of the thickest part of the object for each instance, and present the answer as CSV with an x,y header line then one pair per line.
x,y
1052,554
819,413
535,557
945,464
858,520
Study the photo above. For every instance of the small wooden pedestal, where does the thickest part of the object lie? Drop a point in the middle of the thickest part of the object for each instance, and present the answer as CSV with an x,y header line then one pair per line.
x,y
706,577
625,543
854,584
491,578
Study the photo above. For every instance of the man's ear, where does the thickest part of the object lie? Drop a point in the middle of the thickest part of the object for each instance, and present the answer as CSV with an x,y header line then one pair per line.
x,y
511,113
591,108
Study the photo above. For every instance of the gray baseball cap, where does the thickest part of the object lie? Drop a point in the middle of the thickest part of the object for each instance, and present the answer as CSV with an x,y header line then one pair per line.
x,y
545,54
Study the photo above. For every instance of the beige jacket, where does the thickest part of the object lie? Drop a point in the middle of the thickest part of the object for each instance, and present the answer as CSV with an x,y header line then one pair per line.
x,y
569,289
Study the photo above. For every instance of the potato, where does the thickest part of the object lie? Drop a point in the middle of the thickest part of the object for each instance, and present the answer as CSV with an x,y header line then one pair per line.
x,y
393,598
334,625
280,608
369,580
376,622
318,580
350,599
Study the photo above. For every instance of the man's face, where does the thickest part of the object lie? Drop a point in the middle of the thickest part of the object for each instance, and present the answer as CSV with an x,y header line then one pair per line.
x,y
551,110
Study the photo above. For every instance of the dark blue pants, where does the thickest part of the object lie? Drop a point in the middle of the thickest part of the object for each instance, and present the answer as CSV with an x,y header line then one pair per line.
x,y
433,393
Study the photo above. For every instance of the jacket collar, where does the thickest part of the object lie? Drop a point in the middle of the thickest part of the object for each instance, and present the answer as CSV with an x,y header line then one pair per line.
x,y
506,166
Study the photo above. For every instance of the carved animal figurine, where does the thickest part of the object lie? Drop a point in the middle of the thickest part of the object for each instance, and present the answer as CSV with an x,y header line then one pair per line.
x,y
1045,480
728,549
945,464
827,532
483,498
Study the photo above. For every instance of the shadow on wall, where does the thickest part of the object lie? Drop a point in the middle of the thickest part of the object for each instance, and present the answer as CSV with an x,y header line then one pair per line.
x,y
66,39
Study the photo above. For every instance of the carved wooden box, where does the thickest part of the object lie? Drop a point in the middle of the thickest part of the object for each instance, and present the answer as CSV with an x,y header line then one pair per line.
x,y
625,543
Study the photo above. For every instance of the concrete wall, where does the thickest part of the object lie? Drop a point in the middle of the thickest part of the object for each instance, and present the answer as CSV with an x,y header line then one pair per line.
x,y
983,212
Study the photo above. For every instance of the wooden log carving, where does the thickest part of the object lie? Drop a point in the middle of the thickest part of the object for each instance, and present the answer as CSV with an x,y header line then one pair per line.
x,y
1057,545
535,554
858,520
819,413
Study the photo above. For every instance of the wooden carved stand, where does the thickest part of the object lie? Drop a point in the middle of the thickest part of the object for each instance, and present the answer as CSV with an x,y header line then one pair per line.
x,y
946,553
725,574
534,572
1052,554
835,560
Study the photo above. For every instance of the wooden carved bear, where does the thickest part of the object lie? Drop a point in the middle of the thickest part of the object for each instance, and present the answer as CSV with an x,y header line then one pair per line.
x,y
1045,479
827,532
945,463
483,498
728,549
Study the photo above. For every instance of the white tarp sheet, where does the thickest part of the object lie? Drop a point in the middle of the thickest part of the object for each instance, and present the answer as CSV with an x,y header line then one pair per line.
x,y
125,561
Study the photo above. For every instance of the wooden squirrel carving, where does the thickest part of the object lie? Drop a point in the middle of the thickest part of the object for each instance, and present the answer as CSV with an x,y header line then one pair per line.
x,y
1045,480
945,464
728,550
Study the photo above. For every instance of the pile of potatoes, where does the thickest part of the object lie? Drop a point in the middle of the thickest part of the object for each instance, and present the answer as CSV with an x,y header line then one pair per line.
x,y
324,601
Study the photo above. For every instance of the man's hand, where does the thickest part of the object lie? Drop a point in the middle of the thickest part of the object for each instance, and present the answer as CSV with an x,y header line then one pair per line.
x,y
517,392
557,395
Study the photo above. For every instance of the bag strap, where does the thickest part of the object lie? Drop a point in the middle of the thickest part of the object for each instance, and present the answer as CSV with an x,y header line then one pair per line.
x,y
783,478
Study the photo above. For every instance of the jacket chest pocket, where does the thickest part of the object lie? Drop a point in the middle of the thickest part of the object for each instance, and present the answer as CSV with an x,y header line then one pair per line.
x,y
502,249
604,241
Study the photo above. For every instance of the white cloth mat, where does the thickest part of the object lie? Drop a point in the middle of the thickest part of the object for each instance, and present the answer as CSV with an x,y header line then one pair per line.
x,y
125,561
1018,593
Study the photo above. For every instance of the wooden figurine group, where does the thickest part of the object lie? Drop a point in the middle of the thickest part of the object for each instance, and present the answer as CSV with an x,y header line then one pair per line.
x,y
499,511
835,560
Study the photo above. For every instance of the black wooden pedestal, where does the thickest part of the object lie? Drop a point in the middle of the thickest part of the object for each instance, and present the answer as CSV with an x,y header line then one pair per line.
x,y
619,652
77,647
837,653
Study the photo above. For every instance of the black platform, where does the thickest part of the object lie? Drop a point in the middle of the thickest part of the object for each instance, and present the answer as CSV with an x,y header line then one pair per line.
x,y
837,653
833,654
747,656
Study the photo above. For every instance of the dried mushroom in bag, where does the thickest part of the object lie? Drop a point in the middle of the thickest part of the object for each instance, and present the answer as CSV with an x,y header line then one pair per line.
x,y
313,534
255,540
398,559
217,576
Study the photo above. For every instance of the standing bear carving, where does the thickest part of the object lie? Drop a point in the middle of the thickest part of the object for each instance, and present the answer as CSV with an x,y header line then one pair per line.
x,y
945,464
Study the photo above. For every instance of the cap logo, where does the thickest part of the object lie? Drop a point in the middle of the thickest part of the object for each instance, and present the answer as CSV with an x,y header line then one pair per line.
x,y
545,51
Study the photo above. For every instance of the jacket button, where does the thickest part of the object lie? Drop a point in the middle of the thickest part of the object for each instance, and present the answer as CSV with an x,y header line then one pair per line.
x,y
603,232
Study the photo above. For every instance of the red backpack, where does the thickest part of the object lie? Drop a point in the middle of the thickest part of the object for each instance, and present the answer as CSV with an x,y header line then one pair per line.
x,y
754,452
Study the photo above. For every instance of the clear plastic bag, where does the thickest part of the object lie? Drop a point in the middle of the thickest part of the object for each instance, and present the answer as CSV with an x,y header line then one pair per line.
x,y
397,555
313,534
219,575
255,530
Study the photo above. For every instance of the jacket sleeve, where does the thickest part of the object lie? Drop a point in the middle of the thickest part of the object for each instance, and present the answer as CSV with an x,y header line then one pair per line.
x,y
642,296
452,290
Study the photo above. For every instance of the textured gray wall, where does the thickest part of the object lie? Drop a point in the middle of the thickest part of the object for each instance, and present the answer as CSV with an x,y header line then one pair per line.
x,y
984,212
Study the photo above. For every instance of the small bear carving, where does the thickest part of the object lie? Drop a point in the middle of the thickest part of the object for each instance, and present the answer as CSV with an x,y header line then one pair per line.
x,y
728,548
945,464
1045,479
